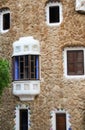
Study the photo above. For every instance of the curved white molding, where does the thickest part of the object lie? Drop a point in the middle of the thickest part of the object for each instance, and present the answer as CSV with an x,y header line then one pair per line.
x,y
80,6
25,46
26,90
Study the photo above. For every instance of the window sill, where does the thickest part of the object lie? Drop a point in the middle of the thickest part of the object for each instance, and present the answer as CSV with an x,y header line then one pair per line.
x,y
74,77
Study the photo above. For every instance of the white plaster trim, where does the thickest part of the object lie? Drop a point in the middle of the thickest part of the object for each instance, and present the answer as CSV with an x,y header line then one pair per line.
x,y
47,13
16,119
65,62
80,5
53,119
26,90
1,20
26,46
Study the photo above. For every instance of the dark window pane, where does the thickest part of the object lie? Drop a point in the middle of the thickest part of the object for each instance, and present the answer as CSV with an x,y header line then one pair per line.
x,y
26,60
21,76
26,73
60,121
54,15
6,21
21,67
75,62
32,67
21,58
32,76
71,69
23,119
32,57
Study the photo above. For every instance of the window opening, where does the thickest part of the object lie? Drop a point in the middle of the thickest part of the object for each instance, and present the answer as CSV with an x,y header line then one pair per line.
x,y
6,21
26,67
23,119
75,62
60,121
54,15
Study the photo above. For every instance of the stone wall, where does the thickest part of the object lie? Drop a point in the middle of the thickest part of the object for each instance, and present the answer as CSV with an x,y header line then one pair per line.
x,y
28,18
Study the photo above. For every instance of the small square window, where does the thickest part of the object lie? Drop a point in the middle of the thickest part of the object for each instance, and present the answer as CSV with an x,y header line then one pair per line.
x,y
54,13
74,62
4,20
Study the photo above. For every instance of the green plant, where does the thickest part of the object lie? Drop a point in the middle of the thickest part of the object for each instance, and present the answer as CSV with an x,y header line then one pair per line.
x,y
4,74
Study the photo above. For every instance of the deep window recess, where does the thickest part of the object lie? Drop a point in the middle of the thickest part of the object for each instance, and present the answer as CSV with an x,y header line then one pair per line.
x,y
6,21
60,121
23,119
26,67
54,14
75,62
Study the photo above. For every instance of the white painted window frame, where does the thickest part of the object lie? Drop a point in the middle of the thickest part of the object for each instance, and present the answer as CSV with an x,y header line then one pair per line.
x,y
17,116
47,13
53,119
1,20
65,62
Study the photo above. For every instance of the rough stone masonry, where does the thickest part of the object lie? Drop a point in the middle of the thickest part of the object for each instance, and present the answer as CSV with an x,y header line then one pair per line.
x,y
28,18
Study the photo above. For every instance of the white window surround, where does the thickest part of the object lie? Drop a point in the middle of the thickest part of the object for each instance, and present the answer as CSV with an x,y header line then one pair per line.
x,y
65,62
47,13
17,116
26,46
2,12
53,119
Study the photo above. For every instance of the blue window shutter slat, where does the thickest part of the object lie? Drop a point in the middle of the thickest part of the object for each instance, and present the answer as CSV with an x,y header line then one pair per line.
x,y
37,67
16,69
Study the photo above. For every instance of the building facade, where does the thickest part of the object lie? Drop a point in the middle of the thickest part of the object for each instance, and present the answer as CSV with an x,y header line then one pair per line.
x,y
44,42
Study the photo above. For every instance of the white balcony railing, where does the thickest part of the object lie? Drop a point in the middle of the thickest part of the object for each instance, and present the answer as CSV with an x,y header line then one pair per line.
x,y
26,90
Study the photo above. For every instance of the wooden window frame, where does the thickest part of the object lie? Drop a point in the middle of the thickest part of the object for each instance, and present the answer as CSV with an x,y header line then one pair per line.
x,y
65,62
74,62
21,71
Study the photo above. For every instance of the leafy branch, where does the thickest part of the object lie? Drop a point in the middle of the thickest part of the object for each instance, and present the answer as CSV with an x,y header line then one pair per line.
x,y
4,74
